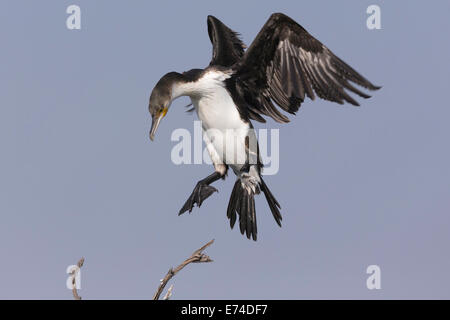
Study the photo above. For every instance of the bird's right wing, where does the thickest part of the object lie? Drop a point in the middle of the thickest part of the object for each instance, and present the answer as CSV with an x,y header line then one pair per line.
x,y
228,48
284,64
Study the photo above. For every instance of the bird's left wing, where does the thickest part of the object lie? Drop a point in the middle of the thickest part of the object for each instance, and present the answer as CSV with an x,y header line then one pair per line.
x,y
284,64
228,48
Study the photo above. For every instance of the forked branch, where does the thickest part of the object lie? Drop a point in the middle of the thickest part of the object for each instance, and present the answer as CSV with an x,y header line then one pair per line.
x,y
196,257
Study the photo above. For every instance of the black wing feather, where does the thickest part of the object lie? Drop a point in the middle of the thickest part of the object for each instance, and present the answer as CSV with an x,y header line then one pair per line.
x,y
284,64
228,48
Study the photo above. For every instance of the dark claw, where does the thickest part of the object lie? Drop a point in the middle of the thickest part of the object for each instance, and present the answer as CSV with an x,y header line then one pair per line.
x,y
201,192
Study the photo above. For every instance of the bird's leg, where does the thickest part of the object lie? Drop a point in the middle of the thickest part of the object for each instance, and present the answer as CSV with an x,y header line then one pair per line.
x,y
201,192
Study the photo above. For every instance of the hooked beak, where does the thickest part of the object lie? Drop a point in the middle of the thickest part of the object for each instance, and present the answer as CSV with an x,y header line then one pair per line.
x,y
155,123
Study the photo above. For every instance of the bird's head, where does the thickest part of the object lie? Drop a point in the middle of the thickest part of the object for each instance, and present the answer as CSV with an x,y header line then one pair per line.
x,y
161,99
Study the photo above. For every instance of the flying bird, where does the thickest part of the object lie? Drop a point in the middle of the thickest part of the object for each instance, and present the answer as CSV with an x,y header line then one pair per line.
x,y
283,65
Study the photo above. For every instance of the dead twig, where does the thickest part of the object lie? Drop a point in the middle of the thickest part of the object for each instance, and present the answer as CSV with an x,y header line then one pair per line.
x,y
168,293
74,275
196,257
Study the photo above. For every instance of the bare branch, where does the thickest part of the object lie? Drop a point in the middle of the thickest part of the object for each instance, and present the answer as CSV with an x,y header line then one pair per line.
x,y
74,284
196,257
168,293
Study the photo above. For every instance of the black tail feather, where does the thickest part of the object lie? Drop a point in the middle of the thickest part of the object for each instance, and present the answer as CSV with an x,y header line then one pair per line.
x,y
243,203
243,213
231,211
253,216
273,203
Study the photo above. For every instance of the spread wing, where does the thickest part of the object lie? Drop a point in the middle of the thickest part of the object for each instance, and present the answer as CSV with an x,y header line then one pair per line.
x,y
228,48
284,64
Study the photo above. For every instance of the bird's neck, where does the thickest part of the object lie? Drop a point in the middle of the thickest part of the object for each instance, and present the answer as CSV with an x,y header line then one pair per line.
x,y
196,83
183,88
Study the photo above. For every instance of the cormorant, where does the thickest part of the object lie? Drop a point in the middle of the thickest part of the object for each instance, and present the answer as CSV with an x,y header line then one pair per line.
x,y
283,65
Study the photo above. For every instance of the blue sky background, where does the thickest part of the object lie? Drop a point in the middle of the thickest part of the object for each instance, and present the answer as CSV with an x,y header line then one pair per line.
x,y
357,186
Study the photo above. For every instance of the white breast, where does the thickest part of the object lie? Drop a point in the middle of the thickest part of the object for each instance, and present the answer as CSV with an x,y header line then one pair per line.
x,y
217,110
220,118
